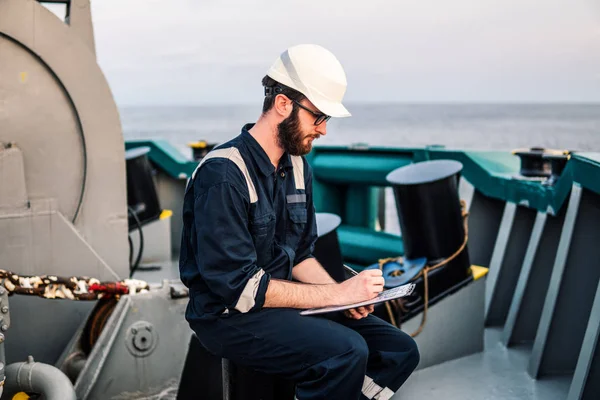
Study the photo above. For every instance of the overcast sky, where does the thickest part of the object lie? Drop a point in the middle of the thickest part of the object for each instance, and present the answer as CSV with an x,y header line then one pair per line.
x,y
209,51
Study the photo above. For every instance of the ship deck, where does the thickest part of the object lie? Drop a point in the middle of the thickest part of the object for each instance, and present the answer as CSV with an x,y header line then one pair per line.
x,y
496,373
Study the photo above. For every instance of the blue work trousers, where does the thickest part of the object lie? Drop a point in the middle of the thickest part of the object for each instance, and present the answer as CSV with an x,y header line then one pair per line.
x,y
329,356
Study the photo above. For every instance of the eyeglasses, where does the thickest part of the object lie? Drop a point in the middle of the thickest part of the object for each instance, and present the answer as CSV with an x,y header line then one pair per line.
x,y
319,117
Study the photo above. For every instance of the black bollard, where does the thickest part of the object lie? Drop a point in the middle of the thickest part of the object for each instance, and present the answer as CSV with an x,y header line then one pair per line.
x,y
142,197
558,162
431,222
327,248
200,149
533,163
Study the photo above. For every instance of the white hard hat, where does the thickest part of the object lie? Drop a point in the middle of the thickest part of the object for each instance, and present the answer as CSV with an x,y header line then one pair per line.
x,y
316,73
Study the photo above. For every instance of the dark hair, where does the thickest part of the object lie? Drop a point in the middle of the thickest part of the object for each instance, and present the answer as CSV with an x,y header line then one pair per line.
x,y
292,94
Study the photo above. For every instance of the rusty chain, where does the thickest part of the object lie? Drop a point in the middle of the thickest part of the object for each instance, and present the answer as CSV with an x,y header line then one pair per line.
x,y
71,288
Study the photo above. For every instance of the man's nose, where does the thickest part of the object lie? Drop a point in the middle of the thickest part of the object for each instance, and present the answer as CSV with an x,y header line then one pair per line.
x,y
322,128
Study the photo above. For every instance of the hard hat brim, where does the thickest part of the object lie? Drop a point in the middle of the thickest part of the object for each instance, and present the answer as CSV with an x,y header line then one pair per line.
x,y
336,110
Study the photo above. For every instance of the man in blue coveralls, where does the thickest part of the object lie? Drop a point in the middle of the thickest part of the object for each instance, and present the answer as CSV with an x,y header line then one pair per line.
x,y
249,231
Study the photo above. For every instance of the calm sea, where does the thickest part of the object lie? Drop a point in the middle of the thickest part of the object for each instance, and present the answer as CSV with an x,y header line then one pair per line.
x,y
482,126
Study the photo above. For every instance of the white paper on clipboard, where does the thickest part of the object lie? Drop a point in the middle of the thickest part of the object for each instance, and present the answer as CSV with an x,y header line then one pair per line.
x,y
390,294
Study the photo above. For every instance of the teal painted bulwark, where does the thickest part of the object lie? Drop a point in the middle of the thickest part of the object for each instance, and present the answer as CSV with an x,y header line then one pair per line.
x,y
496,174
346,166
166,157
586,170
345,179
364,246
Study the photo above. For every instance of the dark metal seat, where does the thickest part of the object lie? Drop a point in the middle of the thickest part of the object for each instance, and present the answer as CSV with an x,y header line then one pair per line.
x,y
209,377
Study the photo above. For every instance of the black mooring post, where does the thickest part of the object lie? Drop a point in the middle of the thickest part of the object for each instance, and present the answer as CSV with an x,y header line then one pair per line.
x,y
431,221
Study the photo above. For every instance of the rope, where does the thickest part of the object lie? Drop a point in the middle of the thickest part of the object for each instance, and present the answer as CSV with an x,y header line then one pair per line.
x,y
382,262
71,288
425,273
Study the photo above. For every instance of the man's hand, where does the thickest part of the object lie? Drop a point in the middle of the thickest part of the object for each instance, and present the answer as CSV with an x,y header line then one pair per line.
x,y
363,286
360,312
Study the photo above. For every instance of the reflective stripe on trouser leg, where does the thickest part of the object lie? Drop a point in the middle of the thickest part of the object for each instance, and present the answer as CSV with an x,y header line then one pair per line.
x,y
385,394
373,391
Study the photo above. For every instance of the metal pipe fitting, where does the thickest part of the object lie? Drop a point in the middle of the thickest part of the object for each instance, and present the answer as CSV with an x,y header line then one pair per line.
x,y
35,377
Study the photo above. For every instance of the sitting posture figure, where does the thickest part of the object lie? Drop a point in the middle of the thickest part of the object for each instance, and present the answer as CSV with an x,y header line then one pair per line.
x,y
246,255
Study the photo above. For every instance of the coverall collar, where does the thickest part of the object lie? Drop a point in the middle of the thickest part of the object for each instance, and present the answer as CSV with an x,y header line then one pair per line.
x,y
260,156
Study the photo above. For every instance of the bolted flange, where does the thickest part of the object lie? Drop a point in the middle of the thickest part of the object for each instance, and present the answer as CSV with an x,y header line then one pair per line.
x,y
141,339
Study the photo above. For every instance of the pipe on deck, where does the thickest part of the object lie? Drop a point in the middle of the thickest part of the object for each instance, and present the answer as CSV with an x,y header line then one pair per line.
x,y
35,377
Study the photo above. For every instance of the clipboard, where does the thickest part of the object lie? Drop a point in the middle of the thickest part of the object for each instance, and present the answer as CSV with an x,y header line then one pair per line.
x,y
390,294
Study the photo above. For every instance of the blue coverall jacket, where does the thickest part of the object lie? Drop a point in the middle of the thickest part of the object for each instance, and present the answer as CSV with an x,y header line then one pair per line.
x,y
244,222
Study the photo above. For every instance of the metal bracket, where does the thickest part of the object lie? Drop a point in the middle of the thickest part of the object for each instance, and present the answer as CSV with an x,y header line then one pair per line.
x,y
4,325
141,339
4,311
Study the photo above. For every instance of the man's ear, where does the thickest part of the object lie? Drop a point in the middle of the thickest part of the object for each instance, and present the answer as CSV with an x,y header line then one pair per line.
x,y
282,106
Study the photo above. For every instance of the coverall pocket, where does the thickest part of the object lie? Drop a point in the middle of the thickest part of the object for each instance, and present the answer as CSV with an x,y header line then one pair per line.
x,y
298,218
262,230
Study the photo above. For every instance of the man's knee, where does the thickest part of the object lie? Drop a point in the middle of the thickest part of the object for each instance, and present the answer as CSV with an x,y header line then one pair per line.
x,y
360,350
351,349
414,357
407,354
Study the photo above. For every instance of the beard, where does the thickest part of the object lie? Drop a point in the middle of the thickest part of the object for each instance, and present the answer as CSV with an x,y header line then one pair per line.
x,y
290,137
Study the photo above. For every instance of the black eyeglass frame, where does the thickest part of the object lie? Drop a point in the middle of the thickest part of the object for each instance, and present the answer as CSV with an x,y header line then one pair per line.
x,y
319,117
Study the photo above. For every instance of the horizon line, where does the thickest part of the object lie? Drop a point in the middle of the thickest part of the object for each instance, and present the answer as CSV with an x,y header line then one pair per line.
x,y
382,102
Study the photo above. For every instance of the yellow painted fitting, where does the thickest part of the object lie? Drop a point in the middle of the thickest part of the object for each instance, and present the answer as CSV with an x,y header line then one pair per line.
x,y
166,214
201,144
478,272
